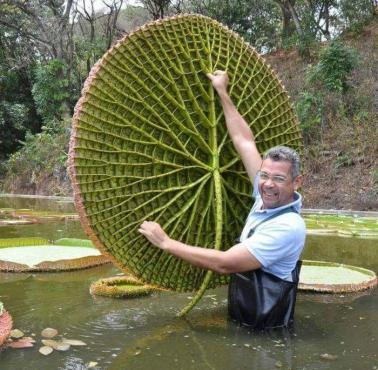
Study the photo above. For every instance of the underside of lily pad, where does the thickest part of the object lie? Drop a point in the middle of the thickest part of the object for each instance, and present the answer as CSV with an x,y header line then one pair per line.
x,y
121,287
38,255
332,277
149,142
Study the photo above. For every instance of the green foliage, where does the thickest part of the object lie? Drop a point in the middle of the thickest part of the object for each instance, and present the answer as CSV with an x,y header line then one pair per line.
x,y
343,160
50,89
17,113
375,175
256,21
354,14
41,155
336,62
13,124
310,110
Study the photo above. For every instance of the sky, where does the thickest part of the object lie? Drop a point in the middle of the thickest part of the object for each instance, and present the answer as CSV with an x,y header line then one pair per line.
x,y
100,4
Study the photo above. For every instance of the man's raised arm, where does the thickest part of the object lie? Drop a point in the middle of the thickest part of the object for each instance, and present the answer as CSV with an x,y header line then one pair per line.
x,y
238,129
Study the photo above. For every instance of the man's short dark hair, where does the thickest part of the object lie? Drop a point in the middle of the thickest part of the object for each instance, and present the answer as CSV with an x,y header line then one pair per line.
x,y
284,153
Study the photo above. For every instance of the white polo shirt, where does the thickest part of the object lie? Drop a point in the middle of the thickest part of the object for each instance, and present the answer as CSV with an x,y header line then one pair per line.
x,y
277,243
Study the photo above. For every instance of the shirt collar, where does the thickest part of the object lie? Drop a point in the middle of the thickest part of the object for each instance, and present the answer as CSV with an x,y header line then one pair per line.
x,y
296,204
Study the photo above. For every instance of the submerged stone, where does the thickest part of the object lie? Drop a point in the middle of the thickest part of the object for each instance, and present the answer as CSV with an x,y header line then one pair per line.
x,y
49,333
16,333
329,357
22,343
45,350
74,342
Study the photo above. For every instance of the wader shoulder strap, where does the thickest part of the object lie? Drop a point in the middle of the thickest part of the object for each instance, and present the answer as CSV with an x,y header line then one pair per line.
x,y
283,211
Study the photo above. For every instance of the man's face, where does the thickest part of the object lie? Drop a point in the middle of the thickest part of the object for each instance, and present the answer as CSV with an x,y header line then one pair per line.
x,y
276,185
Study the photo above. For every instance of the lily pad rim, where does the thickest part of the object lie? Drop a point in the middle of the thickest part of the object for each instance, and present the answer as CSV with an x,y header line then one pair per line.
x,y
339,288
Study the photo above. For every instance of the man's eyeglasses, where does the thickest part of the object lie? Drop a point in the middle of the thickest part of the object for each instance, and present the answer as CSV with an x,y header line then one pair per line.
x,y
264,176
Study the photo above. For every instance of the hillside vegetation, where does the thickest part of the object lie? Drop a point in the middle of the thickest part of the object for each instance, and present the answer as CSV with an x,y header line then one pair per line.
x,y
333,85
341,159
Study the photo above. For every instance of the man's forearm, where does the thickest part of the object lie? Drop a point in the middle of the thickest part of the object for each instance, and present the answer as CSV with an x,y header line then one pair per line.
x,y
236,125
201,257
235,259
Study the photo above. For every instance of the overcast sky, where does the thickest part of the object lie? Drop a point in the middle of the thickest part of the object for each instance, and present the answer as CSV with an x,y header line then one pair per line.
x,y
100,4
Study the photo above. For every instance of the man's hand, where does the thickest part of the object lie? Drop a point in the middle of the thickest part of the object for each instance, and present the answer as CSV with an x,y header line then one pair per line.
x,y
154,233
219,79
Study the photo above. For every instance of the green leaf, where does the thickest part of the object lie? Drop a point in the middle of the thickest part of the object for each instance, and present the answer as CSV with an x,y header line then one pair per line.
x,y
149,142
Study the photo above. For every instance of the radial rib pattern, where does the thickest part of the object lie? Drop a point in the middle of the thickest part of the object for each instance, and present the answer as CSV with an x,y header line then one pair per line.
x,y
149,143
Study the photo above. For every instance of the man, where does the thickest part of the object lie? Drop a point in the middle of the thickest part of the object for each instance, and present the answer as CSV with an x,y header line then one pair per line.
x,y
264,263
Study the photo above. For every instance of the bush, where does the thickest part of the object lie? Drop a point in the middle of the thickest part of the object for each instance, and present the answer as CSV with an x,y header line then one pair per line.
x,y
336,62
50,90
40,165
310,108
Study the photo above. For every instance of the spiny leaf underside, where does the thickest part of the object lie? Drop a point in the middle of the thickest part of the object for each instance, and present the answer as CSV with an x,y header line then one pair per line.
x,y
149,143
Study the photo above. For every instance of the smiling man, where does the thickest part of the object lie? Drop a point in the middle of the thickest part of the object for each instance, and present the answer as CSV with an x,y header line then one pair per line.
x,y
264,264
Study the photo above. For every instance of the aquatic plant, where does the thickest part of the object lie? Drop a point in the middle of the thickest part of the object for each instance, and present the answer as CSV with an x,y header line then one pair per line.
x,y
21,242
41,247
121,287
73,242
149,142
332,277
342,225
6,324
36,215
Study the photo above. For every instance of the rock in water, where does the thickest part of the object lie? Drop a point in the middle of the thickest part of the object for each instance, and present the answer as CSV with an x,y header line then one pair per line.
x,y
45,350
49,333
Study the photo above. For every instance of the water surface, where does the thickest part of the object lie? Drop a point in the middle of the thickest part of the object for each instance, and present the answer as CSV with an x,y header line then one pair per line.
x,y
145,334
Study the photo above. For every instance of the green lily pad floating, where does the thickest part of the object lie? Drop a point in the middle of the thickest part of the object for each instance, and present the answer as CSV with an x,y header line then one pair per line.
x,y
74,242
342,225
331,277
37,254
36,215
121,287
149,142
21,242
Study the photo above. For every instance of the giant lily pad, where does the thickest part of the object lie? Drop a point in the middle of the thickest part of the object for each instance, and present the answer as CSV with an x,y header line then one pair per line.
x,y
332,277
38,254
149,142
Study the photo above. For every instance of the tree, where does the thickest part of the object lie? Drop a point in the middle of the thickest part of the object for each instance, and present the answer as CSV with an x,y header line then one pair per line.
x,y
17,109
257,21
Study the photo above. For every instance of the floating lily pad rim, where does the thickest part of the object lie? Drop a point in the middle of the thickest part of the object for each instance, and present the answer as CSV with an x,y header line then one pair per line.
x,y
339,288
342,234
39,241
72,264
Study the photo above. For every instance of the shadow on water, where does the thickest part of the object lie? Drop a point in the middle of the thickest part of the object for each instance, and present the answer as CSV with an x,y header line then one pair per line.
x,y
144,333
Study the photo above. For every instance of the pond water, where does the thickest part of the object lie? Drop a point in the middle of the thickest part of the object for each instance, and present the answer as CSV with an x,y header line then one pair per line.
x,y
145,334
